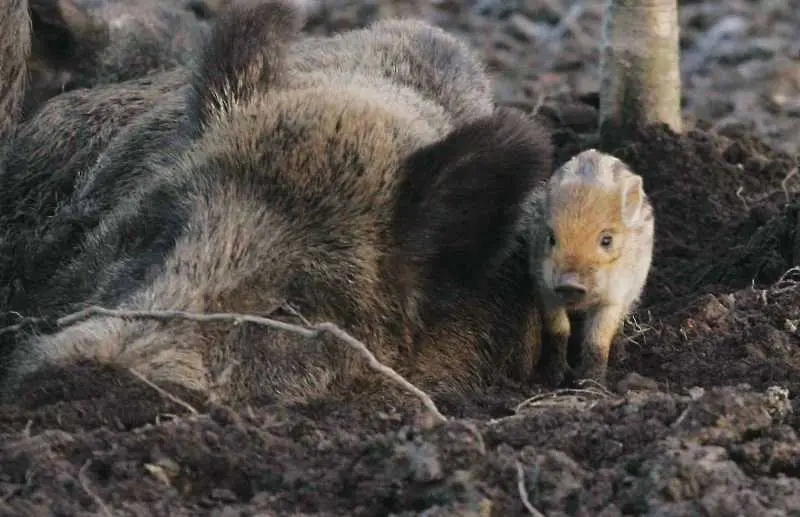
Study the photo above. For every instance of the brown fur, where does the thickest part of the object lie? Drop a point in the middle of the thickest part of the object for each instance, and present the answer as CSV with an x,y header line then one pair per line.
x,y
71,132
354,191
74,137
66,45
434,62
50,212
592,197
85,43
15,45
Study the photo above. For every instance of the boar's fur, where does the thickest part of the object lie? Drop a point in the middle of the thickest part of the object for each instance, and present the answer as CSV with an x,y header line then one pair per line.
x,y
366,179
86,43
15,47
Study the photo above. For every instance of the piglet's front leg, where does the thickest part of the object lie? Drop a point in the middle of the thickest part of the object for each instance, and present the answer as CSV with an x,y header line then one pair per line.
x,y
555,338
599,329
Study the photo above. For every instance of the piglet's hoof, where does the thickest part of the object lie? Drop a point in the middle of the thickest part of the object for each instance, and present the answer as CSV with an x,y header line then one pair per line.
x,y
555,374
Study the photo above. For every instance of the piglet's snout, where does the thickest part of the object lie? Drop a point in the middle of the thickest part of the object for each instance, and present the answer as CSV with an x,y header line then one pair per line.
x,y
569,287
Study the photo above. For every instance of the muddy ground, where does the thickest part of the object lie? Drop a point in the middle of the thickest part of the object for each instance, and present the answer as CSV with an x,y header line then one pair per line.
x,y
701,414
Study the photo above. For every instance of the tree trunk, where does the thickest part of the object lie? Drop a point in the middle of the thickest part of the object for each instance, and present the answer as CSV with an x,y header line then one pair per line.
x,y
640,80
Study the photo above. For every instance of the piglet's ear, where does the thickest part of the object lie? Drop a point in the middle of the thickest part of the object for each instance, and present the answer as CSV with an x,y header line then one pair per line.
x,y
462,197
633,198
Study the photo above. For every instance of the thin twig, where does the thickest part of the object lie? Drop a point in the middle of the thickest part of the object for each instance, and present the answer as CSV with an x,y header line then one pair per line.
x,y
741,198
22,323
164,393
236,319
787,190
594,385
523,492
312,331
784,282
294,312
85,485
785,183
681,417
566,397
380,367
540,98
553,396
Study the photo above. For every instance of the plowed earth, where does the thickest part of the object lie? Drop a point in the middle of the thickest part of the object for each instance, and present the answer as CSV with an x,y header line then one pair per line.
x,y
701,414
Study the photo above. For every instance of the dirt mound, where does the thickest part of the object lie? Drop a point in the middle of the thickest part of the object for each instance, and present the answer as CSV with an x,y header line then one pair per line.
x,y
710,195
725,451
750,335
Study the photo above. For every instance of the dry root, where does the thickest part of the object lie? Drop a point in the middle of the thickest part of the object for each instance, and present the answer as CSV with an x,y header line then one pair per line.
x,y
307,330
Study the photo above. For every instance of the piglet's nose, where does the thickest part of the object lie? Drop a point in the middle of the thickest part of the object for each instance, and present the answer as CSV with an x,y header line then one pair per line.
x,y
570,288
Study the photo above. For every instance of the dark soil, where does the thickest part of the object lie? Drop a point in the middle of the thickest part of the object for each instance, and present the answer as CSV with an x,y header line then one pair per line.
x,y
701,417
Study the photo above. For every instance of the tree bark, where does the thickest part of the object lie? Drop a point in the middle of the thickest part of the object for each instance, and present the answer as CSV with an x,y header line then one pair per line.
x,y
640,80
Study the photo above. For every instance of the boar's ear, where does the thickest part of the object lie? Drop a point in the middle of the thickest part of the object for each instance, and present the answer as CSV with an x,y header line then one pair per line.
x,y
245,54
62,30
633,199
462,197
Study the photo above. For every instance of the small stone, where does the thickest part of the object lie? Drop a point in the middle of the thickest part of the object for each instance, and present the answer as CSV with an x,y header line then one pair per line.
x,y
778,403
728,300
636,382
226,511
696,392
711,309
425,464
485,508
527,29
223,494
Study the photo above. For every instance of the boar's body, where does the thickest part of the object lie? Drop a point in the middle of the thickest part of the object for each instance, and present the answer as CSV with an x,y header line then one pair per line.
x,y
366,180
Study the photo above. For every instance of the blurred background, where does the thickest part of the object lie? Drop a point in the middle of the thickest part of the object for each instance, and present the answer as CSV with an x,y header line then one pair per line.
x,y
739,57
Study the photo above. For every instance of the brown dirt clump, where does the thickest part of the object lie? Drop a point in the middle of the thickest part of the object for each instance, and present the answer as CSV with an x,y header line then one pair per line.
x,y
700,419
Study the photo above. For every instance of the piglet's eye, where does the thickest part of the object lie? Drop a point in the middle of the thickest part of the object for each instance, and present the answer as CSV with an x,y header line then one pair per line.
x,y
606,241
551,237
